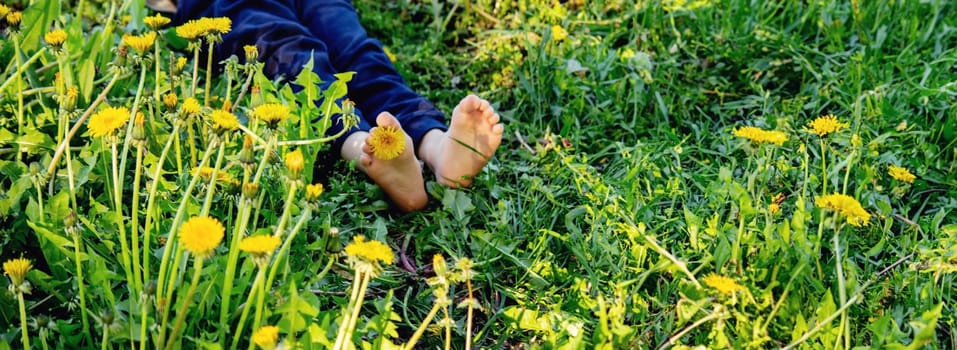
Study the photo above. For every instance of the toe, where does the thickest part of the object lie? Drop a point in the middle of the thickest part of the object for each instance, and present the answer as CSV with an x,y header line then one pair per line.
x,y
494,118
387,119
498,129
365,160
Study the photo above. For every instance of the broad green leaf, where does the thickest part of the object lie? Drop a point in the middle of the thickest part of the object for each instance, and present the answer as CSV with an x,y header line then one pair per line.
x,y
36,22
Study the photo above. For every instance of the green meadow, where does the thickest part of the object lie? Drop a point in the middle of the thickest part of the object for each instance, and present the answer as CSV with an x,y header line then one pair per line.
x,y
687,174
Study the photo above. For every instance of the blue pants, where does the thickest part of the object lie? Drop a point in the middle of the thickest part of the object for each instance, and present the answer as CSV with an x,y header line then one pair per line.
x,y
288,33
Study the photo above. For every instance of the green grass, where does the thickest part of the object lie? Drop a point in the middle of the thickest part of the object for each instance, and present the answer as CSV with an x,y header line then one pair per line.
x,y
618,190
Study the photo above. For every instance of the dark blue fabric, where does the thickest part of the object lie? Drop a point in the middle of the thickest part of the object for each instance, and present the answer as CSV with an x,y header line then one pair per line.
x,y
288,32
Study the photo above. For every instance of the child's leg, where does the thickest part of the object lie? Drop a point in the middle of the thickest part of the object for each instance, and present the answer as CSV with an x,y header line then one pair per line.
x,y
377,87
401,178
284,44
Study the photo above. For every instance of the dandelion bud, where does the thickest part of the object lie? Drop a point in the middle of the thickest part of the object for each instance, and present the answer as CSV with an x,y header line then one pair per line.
x,y
294,163
121,53
70,219
250,190
313,192
139,129
439,265
177,68
247,155
252,53
332,242
107,317
256,98
149,289
34,169
68,103
169,100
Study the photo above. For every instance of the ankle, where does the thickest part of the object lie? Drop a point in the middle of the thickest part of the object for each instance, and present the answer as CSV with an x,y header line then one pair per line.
x,y
428,145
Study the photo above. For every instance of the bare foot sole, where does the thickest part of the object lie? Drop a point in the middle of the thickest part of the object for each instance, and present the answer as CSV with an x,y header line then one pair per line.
x,y
460,153
401,177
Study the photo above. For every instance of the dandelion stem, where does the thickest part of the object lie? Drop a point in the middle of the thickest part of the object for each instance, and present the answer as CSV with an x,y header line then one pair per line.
x,y
22,68
231,261
841,284
260,302
242,91
135,218
249,298
425,323
80,286
151,199
156,77
181,315
118,207
192,87
209,72
359,286
468,319
208,202
164,290
674,337
76,127
284,250
105,341
25,336
16,54
36,184
143,312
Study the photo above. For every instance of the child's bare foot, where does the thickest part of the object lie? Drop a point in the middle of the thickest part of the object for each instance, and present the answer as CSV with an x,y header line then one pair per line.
x,y
401,177
460,153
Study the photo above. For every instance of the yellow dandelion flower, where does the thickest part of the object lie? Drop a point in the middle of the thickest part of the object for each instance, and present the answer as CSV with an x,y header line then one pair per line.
x,y
14,18
201,235
218,25
846,205
191,106
725,285
191,30
141,43
901,174
205,172
387,142
251,52
180,63
156,22
259,244
559,33
108,120
295,162
774,208
224,121
17,269
55,37
370,251
271,112
170,100
826,125
4,10
313,191
266,337
758,135
389,54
